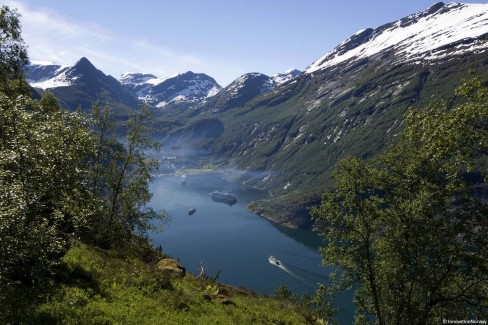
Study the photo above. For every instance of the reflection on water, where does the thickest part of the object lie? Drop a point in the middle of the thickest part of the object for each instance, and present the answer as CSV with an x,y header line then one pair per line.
x,y
231,239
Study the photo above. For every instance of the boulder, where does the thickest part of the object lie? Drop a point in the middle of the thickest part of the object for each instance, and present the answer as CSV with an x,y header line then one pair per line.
x,y
171,266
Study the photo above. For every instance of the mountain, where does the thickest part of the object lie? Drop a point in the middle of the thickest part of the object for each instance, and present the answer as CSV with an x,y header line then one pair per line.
x,y
436,33
238,92
139,83
199,129
80,85
181,90
43,75
288,131
283,77
349,102
244,89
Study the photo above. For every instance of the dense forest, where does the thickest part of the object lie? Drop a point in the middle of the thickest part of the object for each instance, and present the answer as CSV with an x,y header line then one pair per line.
x,y
407,231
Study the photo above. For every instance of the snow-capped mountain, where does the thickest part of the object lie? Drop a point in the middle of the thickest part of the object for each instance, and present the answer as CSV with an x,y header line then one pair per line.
x,y
139,83
137,79
181,90
245,88
253,82
178,90
441,30
45,75
239,92
81,84
283,77
351,102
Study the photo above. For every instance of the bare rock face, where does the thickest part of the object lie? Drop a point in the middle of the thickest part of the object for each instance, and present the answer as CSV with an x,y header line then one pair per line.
x,y
172,267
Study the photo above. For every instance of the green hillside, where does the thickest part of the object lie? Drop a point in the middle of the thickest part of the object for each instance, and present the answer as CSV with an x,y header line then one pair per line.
x,y
98,286
290,138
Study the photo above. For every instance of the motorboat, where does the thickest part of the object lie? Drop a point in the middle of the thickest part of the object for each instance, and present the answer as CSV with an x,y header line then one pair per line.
x,y
192,211
273,260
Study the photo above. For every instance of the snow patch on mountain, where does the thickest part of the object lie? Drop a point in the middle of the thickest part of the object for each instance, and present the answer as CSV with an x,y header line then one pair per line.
x,y
48,76
134,79
214,91
182,88
61,80
264,83
280,78
420,36
45,75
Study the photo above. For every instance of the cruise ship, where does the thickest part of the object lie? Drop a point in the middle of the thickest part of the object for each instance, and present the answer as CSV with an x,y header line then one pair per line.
x,y
223,197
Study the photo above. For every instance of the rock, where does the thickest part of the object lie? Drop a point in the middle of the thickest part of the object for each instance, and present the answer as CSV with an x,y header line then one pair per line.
x,y
169,265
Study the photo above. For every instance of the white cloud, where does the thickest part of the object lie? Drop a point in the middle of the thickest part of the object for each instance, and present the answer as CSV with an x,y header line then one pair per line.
x,y
50,36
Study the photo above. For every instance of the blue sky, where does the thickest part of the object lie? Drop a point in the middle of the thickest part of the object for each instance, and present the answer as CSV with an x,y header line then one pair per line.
x,y
222,38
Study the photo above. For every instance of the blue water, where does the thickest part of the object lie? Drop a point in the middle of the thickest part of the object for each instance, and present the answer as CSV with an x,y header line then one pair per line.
x,y
233,240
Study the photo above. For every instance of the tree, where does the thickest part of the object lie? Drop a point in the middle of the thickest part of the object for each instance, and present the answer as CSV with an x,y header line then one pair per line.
x,y
43,196
408,229
120,173
13,54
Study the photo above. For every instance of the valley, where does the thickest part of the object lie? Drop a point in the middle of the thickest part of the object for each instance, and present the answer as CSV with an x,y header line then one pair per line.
x,y
286,132
352,190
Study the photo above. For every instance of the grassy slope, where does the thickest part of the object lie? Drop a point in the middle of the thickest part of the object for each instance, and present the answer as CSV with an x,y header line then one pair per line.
x,y
103,287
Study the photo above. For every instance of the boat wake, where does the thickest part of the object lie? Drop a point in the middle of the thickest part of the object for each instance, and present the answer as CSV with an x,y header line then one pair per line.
x,y
279,264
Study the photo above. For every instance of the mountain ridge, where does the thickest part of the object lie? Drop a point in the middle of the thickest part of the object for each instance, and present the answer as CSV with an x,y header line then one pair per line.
x,y
81,85
291,137
186,88
418,36
287,137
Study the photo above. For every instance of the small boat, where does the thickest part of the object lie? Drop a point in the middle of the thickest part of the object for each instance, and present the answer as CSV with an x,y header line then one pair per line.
x,y
192,211
273,260
183,179
226,197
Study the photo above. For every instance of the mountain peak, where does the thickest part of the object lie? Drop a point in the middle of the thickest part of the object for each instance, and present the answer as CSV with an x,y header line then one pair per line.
x,y
83,64
438,31
180,89
292,71
136,78
289,74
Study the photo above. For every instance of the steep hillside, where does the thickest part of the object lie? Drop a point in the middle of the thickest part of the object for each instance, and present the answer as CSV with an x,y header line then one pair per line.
x,y
351,101
238,93
98,286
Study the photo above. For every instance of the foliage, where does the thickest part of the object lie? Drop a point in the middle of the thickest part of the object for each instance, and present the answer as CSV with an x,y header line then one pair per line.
x,y
282,292
211,290
59,178
120,173
43,198
407,228
13,53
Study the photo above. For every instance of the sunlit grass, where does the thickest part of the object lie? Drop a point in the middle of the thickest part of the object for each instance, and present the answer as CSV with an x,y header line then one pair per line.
x,y
105,287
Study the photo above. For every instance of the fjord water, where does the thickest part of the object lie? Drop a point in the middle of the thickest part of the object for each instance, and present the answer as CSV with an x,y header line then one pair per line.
x,y
231,239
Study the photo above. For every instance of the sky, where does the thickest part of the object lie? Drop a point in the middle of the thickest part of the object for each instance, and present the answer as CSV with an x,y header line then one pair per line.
x,y
222,38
